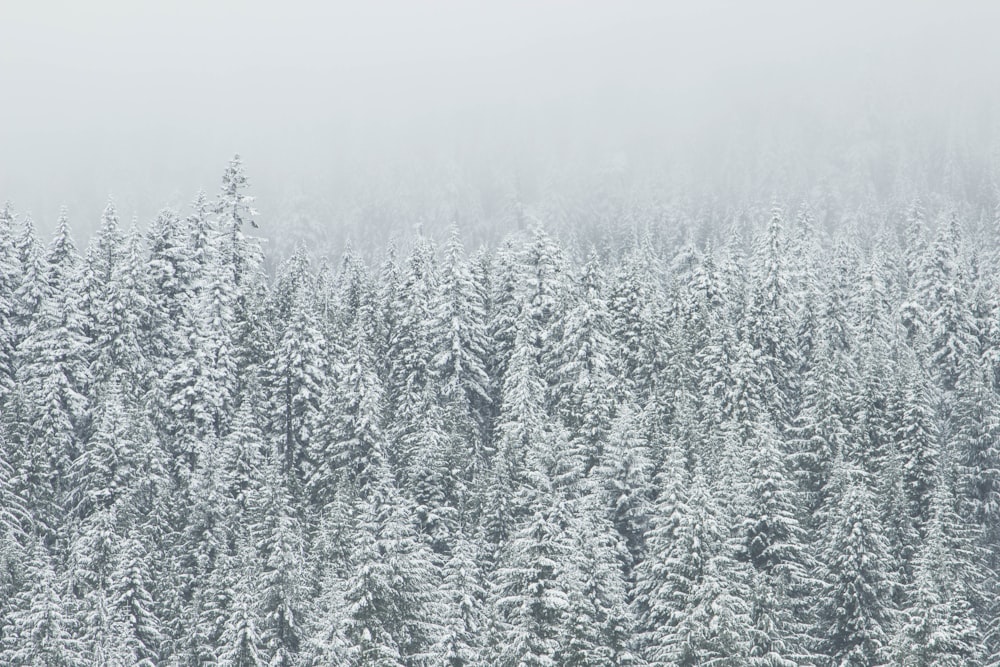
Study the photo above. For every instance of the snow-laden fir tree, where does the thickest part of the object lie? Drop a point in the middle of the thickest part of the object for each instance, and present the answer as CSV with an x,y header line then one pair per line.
x,y
855,611
938,625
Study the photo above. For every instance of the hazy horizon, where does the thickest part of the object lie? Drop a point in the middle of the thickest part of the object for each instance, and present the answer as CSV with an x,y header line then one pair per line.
x,y
333,106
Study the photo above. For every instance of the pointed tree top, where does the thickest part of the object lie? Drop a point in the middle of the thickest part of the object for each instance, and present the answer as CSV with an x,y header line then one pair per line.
x,y
62,237
232,199
110,215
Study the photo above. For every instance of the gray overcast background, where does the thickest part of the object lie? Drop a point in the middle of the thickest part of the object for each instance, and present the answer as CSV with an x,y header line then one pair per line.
x,y
339,106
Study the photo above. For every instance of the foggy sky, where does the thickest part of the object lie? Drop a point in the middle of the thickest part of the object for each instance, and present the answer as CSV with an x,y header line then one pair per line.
x,y
147,101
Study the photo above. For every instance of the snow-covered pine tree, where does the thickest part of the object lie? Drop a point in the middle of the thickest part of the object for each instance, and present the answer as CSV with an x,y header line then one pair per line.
x,y
855,613
544,275
241,644
52,403
583,390
520,429
204,556
31,268
349,444
977,455
598,626
107,463
769,316
102,259
435,474
411,354
239,262
656,598
625,484
39,629
170,271
459,334
391,613
133,603
505,315
822,430
952,334
294,377
121,324
939,626
234,211
464,620
279,543
10,278
775,544
241,456
634,328
203,387
528,597
916,437
15,517
690,591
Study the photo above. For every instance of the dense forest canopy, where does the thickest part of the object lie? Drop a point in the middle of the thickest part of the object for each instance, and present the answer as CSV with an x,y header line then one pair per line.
x,y
755,436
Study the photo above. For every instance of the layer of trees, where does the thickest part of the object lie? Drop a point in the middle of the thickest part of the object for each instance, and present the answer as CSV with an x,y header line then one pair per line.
x,y
777,450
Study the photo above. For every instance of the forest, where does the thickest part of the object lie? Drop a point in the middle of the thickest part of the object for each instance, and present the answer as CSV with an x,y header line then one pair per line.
x,y
763,440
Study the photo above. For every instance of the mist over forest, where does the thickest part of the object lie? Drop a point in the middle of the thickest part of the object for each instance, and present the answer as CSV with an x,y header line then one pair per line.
x,y
516,334
362,123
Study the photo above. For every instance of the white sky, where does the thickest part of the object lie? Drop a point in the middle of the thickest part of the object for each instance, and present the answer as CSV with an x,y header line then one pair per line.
x,y
147,100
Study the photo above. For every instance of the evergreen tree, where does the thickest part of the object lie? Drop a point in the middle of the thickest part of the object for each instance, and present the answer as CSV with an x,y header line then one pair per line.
x,y
774,544
234,210
916,437
29,292
15,517
544,291
528,596
132,600
432,475
10,277
349,444
108,461
625,475
280,545
410,353
53,374
583,380
939,626
390,616
170,270
822,430
855,611
977,417
634,327
952,330
295,374
39,629
690,603
460,340
242,645
121,320
462,642
504,316
201,390
598,626
769,317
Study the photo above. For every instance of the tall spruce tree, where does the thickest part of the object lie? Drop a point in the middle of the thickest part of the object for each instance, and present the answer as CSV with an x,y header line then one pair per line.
x,y
855,609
